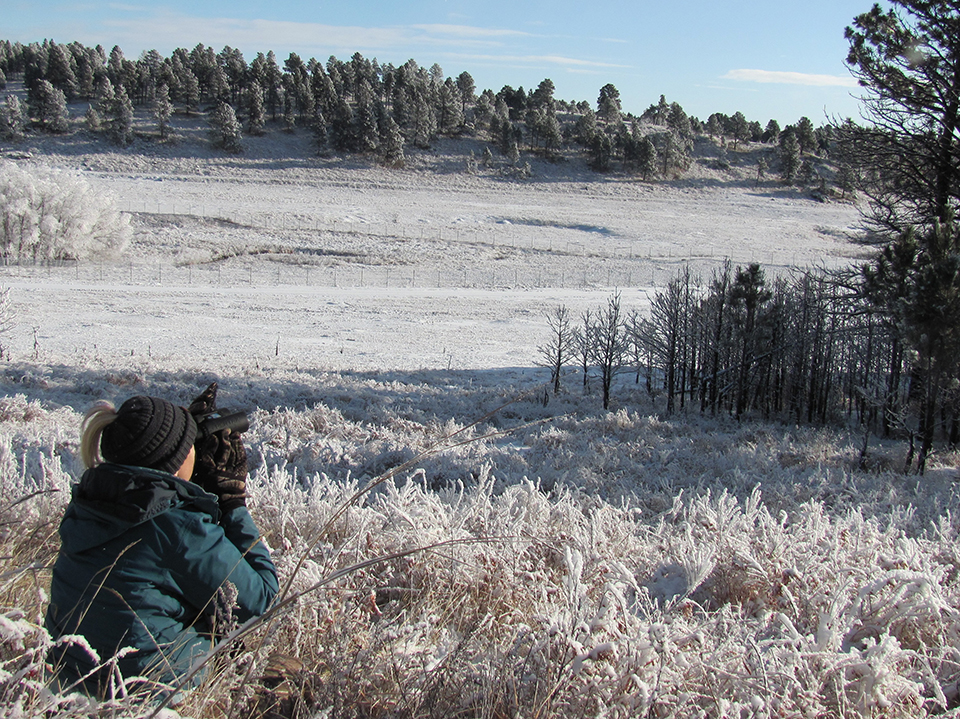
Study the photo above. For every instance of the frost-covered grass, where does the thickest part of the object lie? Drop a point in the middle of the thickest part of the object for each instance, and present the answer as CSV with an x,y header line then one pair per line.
x,y
557,561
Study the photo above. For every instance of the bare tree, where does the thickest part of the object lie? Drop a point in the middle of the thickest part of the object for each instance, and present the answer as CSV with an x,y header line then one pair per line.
x,y
561,345
584,341
8,318
609,349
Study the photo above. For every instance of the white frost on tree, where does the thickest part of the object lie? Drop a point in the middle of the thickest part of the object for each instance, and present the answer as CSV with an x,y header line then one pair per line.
x,y
56,216
8,319
226,128
12,119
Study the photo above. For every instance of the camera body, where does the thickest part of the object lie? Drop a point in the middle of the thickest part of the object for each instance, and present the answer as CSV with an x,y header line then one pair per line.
x,y
220,419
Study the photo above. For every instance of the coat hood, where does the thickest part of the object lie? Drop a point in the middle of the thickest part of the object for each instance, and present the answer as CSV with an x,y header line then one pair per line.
x,y
111,498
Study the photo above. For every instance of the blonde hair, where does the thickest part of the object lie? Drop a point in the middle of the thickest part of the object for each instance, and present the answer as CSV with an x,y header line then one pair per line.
x,y
100,414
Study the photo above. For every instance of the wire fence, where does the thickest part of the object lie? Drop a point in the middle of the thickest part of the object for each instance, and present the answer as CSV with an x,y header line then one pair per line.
x,y
283,274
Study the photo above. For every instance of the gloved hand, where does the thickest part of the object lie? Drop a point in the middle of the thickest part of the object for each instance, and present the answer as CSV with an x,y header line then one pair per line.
x,y
205,402
221,468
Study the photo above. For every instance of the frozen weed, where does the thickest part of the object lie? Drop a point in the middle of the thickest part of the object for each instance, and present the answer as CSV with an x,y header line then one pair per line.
x,y
653,578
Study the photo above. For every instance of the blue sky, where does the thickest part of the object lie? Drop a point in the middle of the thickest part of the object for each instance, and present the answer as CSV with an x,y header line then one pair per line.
x,y
765,59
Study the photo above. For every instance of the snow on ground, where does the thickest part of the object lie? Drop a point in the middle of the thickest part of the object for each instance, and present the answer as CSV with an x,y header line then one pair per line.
x,y
351,266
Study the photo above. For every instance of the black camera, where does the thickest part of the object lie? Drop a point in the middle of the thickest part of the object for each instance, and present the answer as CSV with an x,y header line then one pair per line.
x,y
220,419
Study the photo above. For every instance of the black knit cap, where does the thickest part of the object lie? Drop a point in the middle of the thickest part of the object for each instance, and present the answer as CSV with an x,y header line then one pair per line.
x,y
149,432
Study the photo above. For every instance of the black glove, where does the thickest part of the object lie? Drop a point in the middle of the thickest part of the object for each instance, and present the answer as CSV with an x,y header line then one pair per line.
x,y
221,468
205,402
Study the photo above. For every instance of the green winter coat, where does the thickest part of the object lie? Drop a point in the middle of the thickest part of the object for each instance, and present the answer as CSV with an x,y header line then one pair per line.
x,y
142,555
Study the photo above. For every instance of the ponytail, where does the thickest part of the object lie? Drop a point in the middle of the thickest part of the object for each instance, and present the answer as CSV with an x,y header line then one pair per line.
x,y
100,414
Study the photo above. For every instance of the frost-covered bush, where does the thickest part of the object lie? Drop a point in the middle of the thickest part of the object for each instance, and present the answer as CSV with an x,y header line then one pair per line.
x,y
54,216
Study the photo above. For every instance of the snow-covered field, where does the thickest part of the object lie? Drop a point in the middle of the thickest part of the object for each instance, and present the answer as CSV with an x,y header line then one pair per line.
x,y
360,267
602,564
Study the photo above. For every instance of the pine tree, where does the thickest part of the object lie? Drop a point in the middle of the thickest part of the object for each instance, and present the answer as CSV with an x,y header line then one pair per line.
x,y
550,131
86,80
60,71
602,151
273,85
789,155
608,104
678,121
92,119
391,141
191,91
907,59
320,139
647,158
772,132
50,107
739,128
12,119
162,111
367,130
424,120
451,104
256,119
585,129
806,135
103,96
922,297
342,127
672,152
115,70
226,128
748,297
467,89
289,113
483,112
120,118
713,128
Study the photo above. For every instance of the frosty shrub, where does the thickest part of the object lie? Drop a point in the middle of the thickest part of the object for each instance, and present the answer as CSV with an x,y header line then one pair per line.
x,y
56,216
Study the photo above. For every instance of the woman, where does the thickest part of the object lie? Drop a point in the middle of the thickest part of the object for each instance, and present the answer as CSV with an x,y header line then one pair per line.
x,y
155,528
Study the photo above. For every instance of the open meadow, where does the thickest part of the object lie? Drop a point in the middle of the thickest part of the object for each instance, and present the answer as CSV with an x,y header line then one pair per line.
x,y
516,556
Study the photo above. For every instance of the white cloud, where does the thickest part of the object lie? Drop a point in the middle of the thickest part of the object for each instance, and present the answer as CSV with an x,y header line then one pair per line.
x,y
790,78
468,31
568,62
174,30
166,29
